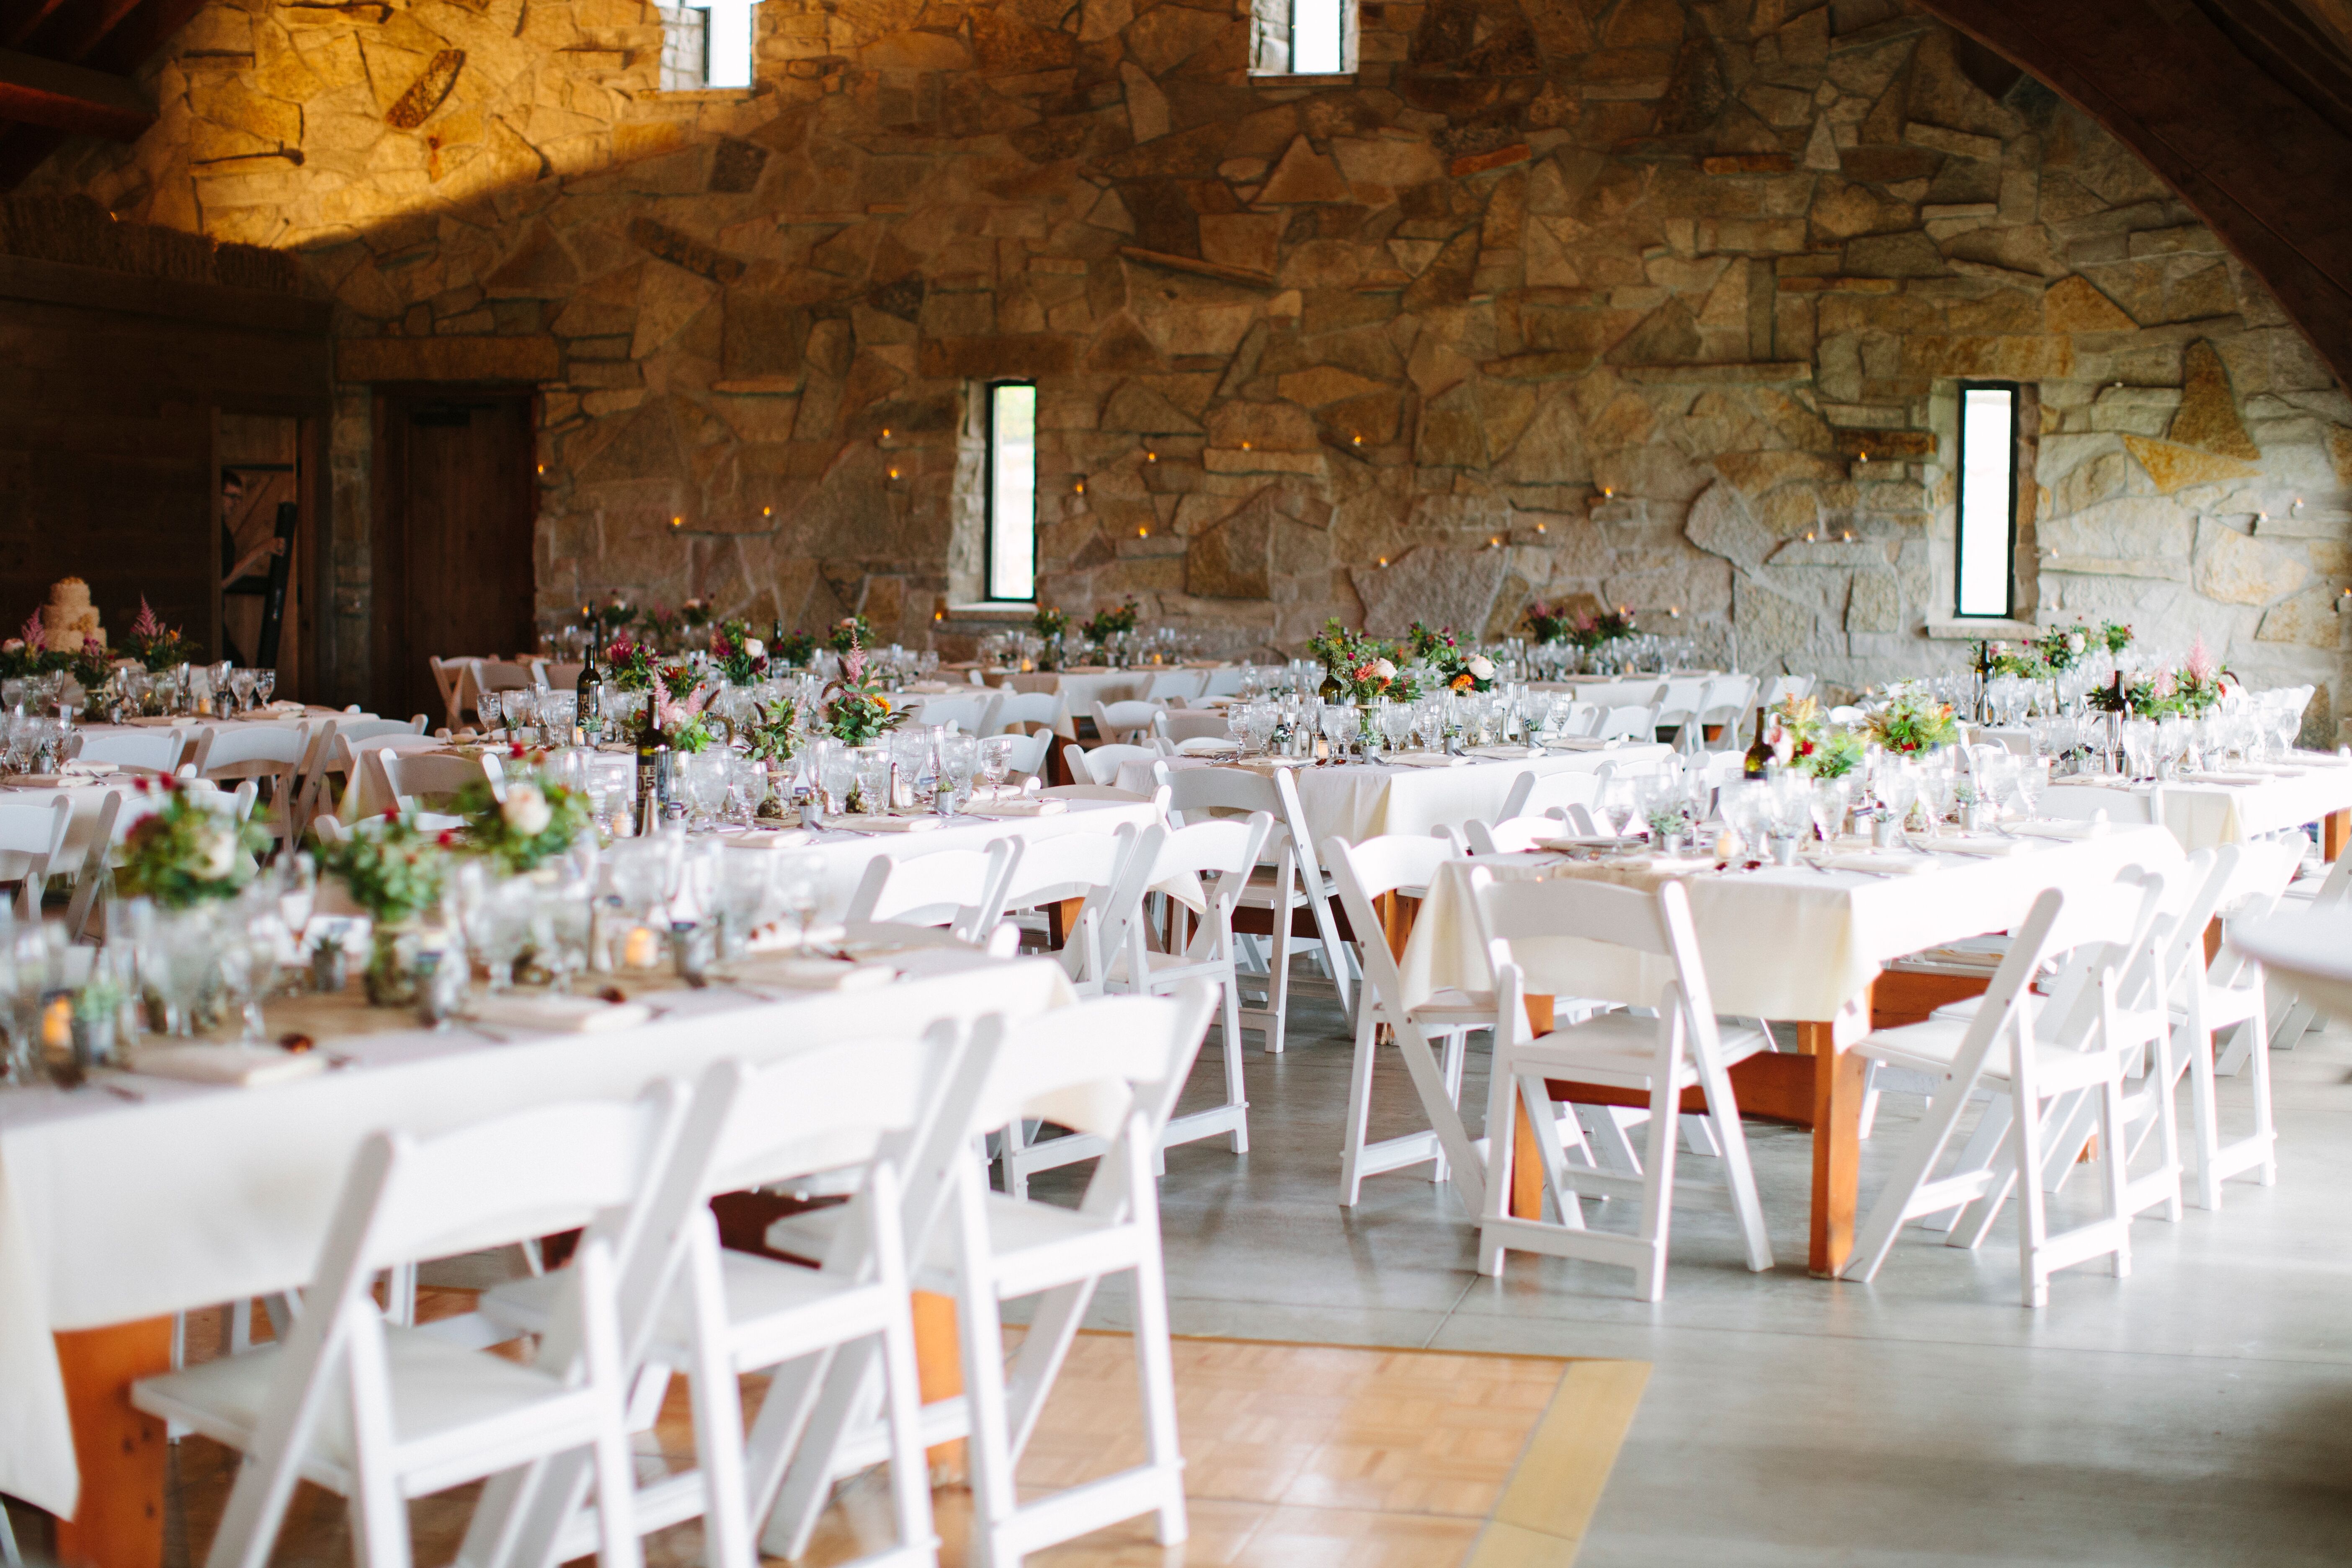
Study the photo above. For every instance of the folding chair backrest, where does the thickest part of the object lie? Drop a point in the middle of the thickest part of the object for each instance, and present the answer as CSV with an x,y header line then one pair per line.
x,y
1197,795
157,748
355,731
1533,793
1113,720
235,748
1228,847
1181,684
1191,724
1633,724
1016,709
36,830
1513,835
1578,718
1786,687
962,890
1361,873
1101,764
1682,700
1226,680
969,715
1068,866
498,675
409,776
1028,753
1086,1066
839,1104
1656,923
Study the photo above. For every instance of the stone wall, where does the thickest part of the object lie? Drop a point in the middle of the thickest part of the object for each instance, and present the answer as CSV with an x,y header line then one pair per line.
x,y
1635,300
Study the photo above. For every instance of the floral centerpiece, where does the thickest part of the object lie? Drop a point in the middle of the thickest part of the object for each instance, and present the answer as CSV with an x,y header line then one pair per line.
x,y
395,871
523,824
155,645
660,627
774,731
629,665
187,854
1049,622
790,650
1457,669
1914,722
1832,754
26,654
2200,681
2025,659
855,712
611,618
848,634
1104,625
695,615
1359,669
678,723
1608,626
737,655
1550,623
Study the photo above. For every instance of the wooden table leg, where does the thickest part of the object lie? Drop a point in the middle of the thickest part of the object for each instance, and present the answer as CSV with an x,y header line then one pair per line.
x,y
2335,832
1527,1160
122,1453
939,1371
1838,1078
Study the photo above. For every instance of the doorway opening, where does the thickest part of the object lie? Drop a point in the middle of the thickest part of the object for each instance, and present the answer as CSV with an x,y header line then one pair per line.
x,y
456,503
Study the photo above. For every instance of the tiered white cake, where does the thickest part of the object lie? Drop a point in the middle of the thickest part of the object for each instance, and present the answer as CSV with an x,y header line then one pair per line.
x,y
69,619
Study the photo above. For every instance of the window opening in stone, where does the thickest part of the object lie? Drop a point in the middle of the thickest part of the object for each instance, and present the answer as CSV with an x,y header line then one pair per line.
x,y
1301,37
706,44
1986,567
1011,490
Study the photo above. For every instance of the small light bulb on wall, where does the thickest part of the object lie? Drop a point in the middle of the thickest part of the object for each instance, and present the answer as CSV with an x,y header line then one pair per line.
x,y
1809,536
1543,528
1608,492
678,522
767,511
1495,543
1357,440
1150,456
1080,487
542,469
1384,560
1245,445
1143,533
894,473
1675,611
885,432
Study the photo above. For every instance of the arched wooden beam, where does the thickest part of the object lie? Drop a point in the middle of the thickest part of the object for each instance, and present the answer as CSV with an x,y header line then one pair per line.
x,y
2190,88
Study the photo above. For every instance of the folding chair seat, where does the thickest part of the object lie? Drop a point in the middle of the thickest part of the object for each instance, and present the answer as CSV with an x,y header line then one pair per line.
x,y
288,758
2228,997
1679,1047
974,715
1362,873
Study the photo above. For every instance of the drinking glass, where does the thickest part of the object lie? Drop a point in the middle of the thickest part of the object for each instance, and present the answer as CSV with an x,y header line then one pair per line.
x,y
747,787
1337,722
960,755
742,884
640,877
249,966
1396,724
487,705
265,684
240,683
873,772
996,759
2029,777
836,773
561,915
707,786
179,962
1616,806
1899,785
1829,800
800,881
502,928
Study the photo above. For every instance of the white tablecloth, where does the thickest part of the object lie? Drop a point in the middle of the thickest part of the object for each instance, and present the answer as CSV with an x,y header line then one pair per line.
x,y
111,1211
1794,943
1359,801
847,853
2203,814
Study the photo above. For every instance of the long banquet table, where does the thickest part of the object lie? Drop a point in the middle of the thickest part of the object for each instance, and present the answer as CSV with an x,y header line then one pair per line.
x,y
116,1212
1799,944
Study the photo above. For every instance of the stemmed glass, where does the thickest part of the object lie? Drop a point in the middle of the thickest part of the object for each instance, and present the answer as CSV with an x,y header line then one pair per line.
x,y
836,775
1616,806
1899,784
1829,799
707,784
747,787
179,963
248,965
2028,778
799,881
744,881
1396,724
1337,722
487,705
872,772
995,761
240,683
960,757
264,685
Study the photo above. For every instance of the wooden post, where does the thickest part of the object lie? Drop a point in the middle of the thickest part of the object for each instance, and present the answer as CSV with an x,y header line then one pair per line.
x,y
1838,1078
2335,832
122,1453
1527,1160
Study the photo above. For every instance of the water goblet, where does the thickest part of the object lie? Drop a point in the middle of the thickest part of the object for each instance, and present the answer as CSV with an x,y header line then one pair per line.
x,y
960,757
265,684
487,705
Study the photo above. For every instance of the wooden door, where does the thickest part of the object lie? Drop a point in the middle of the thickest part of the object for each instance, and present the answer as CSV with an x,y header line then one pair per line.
x,y
455,500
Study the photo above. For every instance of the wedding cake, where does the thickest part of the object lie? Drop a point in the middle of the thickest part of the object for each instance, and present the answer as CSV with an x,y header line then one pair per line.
x,y
69,619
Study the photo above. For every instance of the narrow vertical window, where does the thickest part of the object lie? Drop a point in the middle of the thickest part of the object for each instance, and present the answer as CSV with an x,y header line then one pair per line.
x,y
1987,500
1013,490
706,44
1316,47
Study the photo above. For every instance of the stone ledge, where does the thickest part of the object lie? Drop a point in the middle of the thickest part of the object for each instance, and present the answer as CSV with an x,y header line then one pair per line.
x,y
1977,630
1748,371
1217,269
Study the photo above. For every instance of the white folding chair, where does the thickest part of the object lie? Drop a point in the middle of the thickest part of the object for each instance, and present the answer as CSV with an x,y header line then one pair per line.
x,y
1628,723
1725,709
1225,680
288,758
1016,710
972,715
1129,723
1575,721
1787,688
495,674
2329,891
354,731
869,1106
1291,880
35,830
1175,684
381,1413
1101,872
422,781
960,890
1516,835
1534,795
1025,757
1678,1048
1361,873
1100,765
1678,709
1226,853
1180,724
161,750
1110,1069
2228,996
452,679
2028,1053
2095,802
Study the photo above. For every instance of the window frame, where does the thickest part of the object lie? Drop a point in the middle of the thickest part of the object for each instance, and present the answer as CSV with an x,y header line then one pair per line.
x,y
1267,34
988,594
2016,391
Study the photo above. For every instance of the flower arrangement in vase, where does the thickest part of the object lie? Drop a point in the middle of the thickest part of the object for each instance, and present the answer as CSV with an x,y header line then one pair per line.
x,y
629,665
155,645
1914,722
187,854
679,722
1104,625
737,655
855,712
848,634
2201,682
521,823
1607,626
790,650
395,871
1358,668
1548,623
1457,670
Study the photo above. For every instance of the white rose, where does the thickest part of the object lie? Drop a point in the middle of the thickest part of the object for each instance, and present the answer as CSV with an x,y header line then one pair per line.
x,y
216,852
1385,670
1481,666
525,811
754,648
2074,641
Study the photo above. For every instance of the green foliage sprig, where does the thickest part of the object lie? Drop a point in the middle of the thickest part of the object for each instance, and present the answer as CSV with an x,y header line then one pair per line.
x,y
187,854
537,821
391,868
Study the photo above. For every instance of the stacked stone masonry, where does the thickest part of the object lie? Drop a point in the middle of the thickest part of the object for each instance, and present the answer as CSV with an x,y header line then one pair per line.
x,y
1641,301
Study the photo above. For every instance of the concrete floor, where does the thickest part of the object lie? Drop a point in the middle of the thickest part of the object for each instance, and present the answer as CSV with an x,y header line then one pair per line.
x,y
2198,1412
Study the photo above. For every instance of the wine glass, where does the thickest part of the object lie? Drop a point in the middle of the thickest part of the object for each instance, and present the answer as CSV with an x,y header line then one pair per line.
x,y
1617,804
487,705
960,757
995,761
742,882
872,772
561,919
1898,784
179,963
240,684
1829,798
1396,724
502,928
800,881
2029,776
747,787
265,684
1337,722
836,775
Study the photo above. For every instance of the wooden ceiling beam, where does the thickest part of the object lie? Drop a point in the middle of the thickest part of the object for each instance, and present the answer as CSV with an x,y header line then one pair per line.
x,y
74,31
141,33
18,18
35,91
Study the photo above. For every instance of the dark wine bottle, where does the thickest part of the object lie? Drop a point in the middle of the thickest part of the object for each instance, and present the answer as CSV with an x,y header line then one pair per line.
x,y
1758,764
588,710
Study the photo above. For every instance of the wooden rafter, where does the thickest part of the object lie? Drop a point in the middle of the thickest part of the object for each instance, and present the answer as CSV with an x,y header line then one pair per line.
x,y
35,91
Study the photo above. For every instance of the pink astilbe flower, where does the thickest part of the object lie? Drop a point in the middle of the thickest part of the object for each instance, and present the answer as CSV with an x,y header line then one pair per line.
x,y
853,663
31,630
146,625
2201,663
2164,683
669,713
